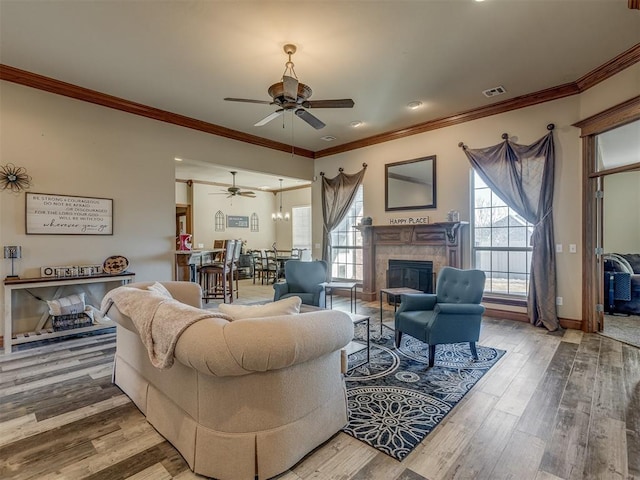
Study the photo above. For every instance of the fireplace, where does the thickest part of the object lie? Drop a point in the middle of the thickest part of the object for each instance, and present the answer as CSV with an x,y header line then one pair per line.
x,y
416,274
440,242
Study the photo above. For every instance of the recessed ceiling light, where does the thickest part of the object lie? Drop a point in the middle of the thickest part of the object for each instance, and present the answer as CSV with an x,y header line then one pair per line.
x,y
414,105
177,159
328,138
356,123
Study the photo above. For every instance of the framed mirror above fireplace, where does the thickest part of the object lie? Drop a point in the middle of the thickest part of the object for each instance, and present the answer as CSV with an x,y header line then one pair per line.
x,y
411,184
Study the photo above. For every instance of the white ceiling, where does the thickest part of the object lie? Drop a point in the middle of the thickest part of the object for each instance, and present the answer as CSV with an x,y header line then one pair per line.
x,y
186,56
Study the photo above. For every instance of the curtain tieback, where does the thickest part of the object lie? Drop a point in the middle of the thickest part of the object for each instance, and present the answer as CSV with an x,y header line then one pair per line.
x,y
544,217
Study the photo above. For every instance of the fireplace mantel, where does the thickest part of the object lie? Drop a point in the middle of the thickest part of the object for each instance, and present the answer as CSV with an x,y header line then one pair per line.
x,y
443,234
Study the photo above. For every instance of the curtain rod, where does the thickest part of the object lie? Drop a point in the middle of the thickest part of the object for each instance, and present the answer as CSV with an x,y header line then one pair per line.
x,y
505,136
340,170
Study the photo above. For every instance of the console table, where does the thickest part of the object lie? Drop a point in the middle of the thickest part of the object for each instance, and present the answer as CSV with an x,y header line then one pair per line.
x,y
40,333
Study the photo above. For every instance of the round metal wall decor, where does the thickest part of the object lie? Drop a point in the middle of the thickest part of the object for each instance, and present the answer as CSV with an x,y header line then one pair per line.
x,y
14,178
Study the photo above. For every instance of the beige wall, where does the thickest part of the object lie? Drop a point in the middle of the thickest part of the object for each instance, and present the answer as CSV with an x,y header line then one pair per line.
x,y
621,213
71,147
524,126
207,201
75,148
290,198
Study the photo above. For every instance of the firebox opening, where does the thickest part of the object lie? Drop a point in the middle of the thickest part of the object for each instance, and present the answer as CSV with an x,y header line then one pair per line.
x,y
416,274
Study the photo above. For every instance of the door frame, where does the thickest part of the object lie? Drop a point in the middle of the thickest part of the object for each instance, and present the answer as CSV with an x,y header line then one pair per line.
x,y
592,265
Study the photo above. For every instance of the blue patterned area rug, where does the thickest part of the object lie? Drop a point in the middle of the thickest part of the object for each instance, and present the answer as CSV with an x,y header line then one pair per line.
x,y
395,401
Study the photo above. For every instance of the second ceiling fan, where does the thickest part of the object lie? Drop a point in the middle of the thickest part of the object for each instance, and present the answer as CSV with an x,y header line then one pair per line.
x,y
291,94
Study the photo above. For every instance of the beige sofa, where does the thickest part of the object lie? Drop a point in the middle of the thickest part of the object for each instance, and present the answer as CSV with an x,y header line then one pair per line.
x,y
243,399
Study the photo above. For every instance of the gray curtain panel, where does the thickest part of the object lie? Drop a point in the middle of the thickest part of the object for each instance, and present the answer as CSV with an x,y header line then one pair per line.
x,y
522,176
337,196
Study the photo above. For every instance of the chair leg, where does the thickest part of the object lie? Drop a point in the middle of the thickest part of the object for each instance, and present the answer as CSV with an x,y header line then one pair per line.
x,y
474,351
432,355
398,338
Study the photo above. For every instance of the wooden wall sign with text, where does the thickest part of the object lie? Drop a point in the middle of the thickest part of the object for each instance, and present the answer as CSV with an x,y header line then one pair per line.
x,y
48,214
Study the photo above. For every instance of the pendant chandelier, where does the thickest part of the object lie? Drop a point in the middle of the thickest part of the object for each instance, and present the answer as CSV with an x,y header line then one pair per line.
x,y
279,215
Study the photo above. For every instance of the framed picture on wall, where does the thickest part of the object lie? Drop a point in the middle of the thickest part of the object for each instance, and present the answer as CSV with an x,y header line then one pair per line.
x,y
50,214
410,185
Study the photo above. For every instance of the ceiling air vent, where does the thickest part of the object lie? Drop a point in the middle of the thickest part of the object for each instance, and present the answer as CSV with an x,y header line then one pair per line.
x,y
492,92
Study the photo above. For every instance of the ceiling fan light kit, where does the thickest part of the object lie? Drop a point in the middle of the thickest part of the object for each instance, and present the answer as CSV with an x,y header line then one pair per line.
x,y
234,191
291,94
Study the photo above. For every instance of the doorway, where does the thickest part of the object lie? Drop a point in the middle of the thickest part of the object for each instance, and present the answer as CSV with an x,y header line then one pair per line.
x,y
610,147
621,247
184,220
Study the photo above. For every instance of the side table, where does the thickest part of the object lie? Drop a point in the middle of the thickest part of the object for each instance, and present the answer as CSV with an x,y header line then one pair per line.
x,y
351,286
356,346
396,292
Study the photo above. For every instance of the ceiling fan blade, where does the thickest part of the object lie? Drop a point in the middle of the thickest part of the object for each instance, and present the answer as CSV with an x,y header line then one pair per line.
x,y
268,118
248,100
290,87
341,103
310,119
247,194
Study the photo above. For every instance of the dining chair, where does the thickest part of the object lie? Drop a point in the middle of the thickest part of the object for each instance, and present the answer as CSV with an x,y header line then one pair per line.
x,y
256,265
271,266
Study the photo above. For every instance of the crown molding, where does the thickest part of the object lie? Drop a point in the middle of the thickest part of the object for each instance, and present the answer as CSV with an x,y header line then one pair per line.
x,y
599,74
51,85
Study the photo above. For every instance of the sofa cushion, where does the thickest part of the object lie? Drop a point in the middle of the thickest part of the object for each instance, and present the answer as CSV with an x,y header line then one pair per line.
x,y
633,259
287,306
161,289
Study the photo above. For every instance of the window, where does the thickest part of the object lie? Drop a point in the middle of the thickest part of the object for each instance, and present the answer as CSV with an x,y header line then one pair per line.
x,y
346,241
501,243
255,222
219,221
301,227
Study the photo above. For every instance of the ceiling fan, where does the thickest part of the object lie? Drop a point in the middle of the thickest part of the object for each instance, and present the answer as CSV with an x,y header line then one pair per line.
x,y
233,191
291,94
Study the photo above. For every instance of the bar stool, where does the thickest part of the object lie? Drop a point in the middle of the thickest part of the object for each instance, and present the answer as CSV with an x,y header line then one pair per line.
x,y
216,278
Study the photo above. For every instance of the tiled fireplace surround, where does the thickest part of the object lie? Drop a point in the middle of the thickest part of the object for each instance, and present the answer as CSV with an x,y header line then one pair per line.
x,y
438,242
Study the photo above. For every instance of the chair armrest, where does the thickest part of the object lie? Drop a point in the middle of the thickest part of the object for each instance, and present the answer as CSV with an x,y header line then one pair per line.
x,y
416,301
280,289
459,308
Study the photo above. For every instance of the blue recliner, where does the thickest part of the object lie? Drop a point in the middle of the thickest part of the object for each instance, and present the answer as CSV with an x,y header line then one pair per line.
x,y
304,280
452,315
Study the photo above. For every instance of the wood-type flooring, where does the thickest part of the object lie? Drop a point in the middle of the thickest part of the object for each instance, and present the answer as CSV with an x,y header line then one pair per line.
x,y
556,406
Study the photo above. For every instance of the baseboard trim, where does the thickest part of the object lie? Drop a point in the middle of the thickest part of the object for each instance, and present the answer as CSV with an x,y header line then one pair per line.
x,y
506,314
523,317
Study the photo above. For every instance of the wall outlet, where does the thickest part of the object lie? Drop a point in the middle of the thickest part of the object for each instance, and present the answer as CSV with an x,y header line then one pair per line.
x,y
317,245
572,248
558,300
558,248
201,245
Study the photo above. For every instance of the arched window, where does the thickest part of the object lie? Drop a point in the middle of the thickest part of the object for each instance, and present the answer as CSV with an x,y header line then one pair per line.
x,y
255,222
219,223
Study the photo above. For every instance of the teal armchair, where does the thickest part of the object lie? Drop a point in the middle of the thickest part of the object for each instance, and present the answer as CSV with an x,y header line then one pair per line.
x,y
452,315
305,280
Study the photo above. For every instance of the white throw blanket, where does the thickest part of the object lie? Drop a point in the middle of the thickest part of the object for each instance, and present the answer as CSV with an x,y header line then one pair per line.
x,y
159,320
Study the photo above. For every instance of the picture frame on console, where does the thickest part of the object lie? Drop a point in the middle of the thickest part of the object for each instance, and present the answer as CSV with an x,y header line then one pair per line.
x,y
410,184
